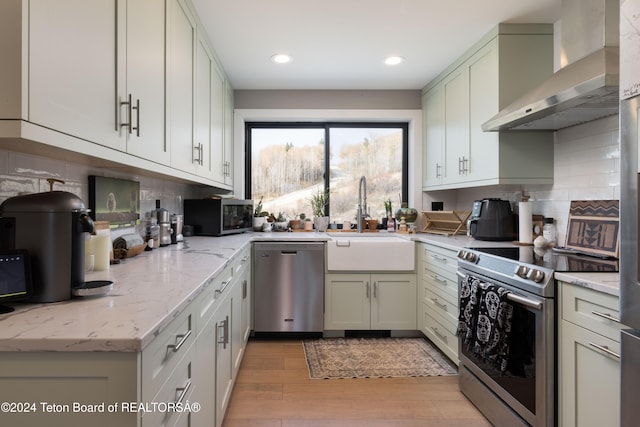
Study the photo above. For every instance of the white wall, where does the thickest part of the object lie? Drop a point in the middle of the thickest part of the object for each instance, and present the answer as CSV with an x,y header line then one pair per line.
x,y
586,167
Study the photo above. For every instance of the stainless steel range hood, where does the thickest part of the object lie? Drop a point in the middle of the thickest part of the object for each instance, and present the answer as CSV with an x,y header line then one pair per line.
x,y
583,91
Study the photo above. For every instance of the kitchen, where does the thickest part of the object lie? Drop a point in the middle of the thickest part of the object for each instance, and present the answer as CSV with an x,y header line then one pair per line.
x,y
585,163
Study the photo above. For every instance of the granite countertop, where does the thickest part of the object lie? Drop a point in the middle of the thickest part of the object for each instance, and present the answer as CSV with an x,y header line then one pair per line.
x,y
151,289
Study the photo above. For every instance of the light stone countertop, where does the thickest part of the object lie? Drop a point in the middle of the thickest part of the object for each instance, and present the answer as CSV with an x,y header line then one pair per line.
x,y
153,288
608,283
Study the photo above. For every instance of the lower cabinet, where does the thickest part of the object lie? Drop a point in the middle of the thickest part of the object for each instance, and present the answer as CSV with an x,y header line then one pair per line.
x,y
194,359
370,301
438,297
589,361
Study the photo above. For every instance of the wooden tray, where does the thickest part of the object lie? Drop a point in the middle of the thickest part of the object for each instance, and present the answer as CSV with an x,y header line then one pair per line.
x,y
447,223
594,226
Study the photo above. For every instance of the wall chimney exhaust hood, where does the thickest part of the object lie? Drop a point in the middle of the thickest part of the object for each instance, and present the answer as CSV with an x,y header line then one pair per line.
x,y
582,91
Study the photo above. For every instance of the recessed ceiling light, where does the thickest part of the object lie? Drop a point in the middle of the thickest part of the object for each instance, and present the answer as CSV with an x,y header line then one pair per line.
x,y
281,58
393,60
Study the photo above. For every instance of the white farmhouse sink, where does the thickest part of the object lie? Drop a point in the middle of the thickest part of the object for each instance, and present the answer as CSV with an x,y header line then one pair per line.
x,y
367,252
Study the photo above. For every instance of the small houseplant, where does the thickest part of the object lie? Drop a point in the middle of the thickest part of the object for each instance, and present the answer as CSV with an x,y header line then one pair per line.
x,y
319,202
258,218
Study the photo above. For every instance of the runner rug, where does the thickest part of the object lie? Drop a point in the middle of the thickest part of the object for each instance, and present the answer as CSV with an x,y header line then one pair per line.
x,y
374,358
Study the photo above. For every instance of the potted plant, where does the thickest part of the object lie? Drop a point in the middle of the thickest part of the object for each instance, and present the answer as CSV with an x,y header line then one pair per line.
x,y
280,224
296,223
308,224
258,218
319,202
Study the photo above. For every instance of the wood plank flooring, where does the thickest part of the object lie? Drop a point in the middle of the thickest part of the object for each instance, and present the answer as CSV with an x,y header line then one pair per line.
x,y
273,389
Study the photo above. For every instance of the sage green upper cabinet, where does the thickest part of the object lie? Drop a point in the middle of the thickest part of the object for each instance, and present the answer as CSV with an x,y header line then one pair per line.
x,y
509,60
145,80
96,72
72,80
228,135
217,125
181,51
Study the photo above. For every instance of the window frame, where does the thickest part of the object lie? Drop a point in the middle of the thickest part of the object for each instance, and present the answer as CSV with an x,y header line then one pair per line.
x,y
327,126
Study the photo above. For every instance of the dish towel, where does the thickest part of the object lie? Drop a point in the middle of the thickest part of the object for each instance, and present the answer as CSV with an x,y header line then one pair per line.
x,y
484,322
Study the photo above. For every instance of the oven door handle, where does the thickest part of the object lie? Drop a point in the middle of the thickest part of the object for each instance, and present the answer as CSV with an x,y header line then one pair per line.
x,y
537,305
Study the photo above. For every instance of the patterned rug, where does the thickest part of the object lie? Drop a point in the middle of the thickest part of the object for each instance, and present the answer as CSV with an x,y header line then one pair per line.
x,y
374,358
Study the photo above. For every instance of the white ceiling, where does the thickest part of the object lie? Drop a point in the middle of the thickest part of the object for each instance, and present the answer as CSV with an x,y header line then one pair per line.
x,y
341,44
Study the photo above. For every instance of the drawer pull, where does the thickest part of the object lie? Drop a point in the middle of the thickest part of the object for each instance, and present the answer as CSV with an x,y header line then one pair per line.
x,y
367,290
439,279
182,338
439,258
439,304
375,289
605,349
606,316
438,334
183,392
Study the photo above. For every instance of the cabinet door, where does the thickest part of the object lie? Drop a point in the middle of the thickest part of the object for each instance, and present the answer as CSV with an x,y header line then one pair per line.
x,y
181,42
201,150
145,62
456,125
588,375
228,134
204,373
224,379
483,104
347,301
433,116
218,165
393,303
72,69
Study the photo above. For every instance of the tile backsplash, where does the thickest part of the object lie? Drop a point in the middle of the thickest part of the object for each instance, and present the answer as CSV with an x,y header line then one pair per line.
x,y
586,167
24,173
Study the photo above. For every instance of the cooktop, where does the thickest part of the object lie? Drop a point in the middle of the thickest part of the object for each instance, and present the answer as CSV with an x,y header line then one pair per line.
x,y
557,261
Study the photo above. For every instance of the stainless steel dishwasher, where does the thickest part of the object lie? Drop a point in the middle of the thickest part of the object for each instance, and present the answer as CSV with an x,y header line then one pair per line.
x,y
288,286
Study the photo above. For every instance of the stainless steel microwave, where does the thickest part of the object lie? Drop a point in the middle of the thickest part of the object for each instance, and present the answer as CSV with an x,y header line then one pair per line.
x,y
217,217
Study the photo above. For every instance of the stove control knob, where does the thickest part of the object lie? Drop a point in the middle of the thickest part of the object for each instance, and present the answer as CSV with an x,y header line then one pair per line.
x,y
461,254
535,275
471,257
522,271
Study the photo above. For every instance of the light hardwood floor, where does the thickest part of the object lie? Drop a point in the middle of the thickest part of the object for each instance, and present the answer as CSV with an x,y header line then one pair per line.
x,y
273,389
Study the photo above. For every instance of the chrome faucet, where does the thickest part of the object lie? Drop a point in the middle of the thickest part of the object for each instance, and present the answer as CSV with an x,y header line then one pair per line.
x,y
362,207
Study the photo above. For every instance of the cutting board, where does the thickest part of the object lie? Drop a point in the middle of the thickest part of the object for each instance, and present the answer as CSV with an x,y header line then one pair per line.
x,y
594,226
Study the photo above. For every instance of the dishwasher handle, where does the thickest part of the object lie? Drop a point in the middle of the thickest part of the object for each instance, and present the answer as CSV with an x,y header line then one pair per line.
x,y
288,252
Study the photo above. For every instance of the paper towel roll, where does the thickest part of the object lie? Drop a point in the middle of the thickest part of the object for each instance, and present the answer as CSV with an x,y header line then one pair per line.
x,y
101,245
525,222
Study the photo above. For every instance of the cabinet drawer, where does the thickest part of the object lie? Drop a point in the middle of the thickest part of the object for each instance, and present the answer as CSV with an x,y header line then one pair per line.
x,y
440,257
592,310
444,307
209,299
440,279
440,333
161,356
177,389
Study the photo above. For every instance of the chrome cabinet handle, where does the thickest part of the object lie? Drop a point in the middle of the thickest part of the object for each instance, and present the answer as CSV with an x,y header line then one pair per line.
x,y
244,289
129,106
439,304
606,350
199,159
438,167
183,392
223,338
137,108
606,316
375,289
182,338
367,289
438,334
439,258
439,279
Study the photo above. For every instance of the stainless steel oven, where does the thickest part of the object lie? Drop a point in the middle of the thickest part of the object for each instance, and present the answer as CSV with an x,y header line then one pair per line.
x,y
522,390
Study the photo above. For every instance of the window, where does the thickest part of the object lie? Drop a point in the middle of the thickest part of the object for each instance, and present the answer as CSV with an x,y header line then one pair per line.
x,y
288,162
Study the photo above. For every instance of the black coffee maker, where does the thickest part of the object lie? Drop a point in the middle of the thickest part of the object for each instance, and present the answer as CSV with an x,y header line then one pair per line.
x,y
52,227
